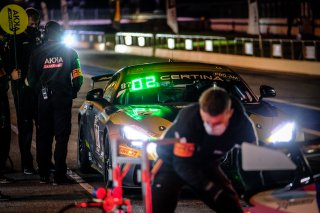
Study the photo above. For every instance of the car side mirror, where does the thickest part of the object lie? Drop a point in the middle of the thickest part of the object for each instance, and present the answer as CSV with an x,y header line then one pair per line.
x,y
94,94
267,91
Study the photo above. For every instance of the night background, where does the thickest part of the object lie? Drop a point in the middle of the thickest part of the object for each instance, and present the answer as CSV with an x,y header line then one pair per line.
x,y
190,8
278,18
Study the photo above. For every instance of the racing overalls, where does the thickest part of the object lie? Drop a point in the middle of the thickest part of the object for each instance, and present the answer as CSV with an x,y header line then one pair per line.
x,y
56,75
196,163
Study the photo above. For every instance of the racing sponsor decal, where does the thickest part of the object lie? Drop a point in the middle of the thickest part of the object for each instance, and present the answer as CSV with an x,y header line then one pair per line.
x,y
153,80
130,152
76,73
96,133
213,77
125,85
14,19
53,62
183,149
227,76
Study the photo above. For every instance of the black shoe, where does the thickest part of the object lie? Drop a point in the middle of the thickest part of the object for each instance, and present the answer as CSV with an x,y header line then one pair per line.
x,y
4,197
44,179
29,171
63,180
52,168
4,179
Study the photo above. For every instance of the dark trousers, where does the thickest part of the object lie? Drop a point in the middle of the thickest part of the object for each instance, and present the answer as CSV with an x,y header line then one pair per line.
x,y
54,122
5,130
26,111
166,190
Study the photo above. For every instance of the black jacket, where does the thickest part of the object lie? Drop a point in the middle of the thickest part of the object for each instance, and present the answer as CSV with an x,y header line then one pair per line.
x,y
207,149
57,67
25,44
3,79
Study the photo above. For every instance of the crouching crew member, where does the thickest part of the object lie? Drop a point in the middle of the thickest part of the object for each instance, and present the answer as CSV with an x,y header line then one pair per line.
x,y
207,131
56,75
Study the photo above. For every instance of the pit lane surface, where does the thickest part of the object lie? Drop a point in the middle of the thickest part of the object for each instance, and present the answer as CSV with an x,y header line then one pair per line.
x,y
28,195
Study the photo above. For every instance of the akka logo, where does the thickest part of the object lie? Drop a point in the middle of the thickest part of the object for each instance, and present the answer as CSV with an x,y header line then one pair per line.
x,y
53,62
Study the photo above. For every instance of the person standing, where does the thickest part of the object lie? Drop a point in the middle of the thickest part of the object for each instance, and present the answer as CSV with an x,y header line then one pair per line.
x,y
5,128
5,124
207,131
24,97
55,74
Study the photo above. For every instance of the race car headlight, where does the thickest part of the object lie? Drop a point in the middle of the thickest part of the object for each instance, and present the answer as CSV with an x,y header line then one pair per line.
x,y
133,134
284,133
151,148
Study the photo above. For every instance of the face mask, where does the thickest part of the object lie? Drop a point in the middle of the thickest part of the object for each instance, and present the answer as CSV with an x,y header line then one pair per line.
x,y
32,31
216,131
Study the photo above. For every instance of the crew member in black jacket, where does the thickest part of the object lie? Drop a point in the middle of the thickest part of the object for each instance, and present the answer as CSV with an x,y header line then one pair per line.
x,y
24,97
5,128
5,124
207,131
56,75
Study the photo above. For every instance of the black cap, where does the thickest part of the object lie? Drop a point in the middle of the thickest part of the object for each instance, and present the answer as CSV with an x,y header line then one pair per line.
x,y
34,14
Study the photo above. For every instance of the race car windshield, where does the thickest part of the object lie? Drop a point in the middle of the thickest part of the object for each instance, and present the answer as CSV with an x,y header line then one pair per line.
x,y
182,88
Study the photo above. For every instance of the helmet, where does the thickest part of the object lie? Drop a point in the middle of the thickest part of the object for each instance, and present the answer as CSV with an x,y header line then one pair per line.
x,y
53,30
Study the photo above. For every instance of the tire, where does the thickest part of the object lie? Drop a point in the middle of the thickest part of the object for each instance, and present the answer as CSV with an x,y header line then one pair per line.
x,y
83,153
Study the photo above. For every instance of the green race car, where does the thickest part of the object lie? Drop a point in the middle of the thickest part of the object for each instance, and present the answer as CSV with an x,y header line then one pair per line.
x,y
140,102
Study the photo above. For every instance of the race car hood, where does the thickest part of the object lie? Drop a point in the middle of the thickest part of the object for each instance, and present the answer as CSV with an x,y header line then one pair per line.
x,y
155,119
266,118
262,108
152,119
